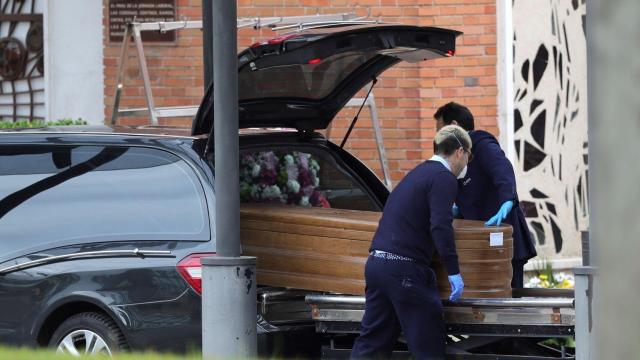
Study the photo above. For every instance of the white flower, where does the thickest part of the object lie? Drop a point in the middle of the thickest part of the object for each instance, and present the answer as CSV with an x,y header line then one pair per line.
x,y
255,191
294,186
559,277
313,165
271,192
534,282
255,170
288,159
316,181
304,201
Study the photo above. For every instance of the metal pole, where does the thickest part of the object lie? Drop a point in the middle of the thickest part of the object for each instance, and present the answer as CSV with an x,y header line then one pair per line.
x,y
591,129
120,82
586,276
225,115
144,71
377,131
228,280
207,41
229,310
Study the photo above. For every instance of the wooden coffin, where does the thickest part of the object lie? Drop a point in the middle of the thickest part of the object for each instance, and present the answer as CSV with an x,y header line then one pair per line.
x,y
326,249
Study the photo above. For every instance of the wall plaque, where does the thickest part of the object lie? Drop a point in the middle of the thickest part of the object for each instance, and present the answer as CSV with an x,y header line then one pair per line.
x,y
122,12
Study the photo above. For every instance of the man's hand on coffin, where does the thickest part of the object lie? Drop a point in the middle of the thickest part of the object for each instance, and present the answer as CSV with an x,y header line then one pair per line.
x,y
457,286
502,214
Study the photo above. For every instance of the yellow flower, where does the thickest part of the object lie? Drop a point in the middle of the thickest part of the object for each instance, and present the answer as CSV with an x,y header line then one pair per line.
x,y
565,284
543,277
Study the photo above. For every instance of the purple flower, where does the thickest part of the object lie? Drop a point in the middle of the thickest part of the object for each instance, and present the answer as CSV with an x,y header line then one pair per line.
x,y
303,160
308,190
270,160
314,199
317,199
268,177
248,159
290,168
274,177
305,178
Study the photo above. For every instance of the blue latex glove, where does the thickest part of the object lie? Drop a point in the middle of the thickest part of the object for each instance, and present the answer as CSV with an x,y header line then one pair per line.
x,y
455,211
505,209
457,285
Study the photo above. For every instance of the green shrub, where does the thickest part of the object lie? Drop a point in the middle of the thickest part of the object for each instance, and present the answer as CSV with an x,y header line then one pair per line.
x,y
558,343
29,124
49,354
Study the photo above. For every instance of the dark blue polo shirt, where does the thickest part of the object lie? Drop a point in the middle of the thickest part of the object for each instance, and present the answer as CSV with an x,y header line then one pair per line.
x,y
417,220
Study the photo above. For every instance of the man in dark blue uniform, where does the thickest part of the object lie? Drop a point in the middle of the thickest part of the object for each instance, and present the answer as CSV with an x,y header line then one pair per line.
x,y
488,191
402,291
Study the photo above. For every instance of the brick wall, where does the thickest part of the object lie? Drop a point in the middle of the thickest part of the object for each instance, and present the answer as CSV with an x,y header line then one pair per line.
x,y
406,95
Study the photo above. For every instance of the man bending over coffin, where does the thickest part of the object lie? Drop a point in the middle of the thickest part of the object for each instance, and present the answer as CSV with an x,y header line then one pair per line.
x,y
488,191
401,288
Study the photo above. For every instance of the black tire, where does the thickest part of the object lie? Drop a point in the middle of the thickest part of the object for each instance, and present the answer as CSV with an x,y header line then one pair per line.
x,y
98,323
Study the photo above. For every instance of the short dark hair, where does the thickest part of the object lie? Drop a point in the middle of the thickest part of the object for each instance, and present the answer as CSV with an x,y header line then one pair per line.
x,y
454,111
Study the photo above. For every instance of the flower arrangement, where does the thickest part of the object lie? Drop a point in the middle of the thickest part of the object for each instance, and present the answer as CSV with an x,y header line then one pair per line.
x,y
275,177
545,278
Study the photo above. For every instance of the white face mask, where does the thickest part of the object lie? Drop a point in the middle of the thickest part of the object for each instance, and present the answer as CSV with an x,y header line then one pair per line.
x,y
463,173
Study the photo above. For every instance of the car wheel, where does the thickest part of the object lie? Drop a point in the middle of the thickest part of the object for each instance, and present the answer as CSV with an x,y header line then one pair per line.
x,y
88,333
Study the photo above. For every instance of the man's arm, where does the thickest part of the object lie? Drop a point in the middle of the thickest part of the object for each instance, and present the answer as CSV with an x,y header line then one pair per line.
x,y
441,197
499,169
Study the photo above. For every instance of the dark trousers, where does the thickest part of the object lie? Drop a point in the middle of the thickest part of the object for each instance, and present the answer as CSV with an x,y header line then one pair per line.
x,y
400,295
517,281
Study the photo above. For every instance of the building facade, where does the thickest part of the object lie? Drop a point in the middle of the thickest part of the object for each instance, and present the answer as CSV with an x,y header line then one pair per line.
x,y
520,66
550,124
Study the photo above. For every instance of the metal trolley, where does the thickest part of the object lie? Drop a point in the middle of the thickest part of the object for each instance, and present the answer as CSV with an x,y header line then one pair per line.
x,y
499,329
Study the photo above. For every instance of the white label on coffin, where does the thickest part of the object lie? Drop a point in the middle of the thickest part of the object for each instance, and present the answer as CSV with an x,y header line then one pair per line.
x,y
496,239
